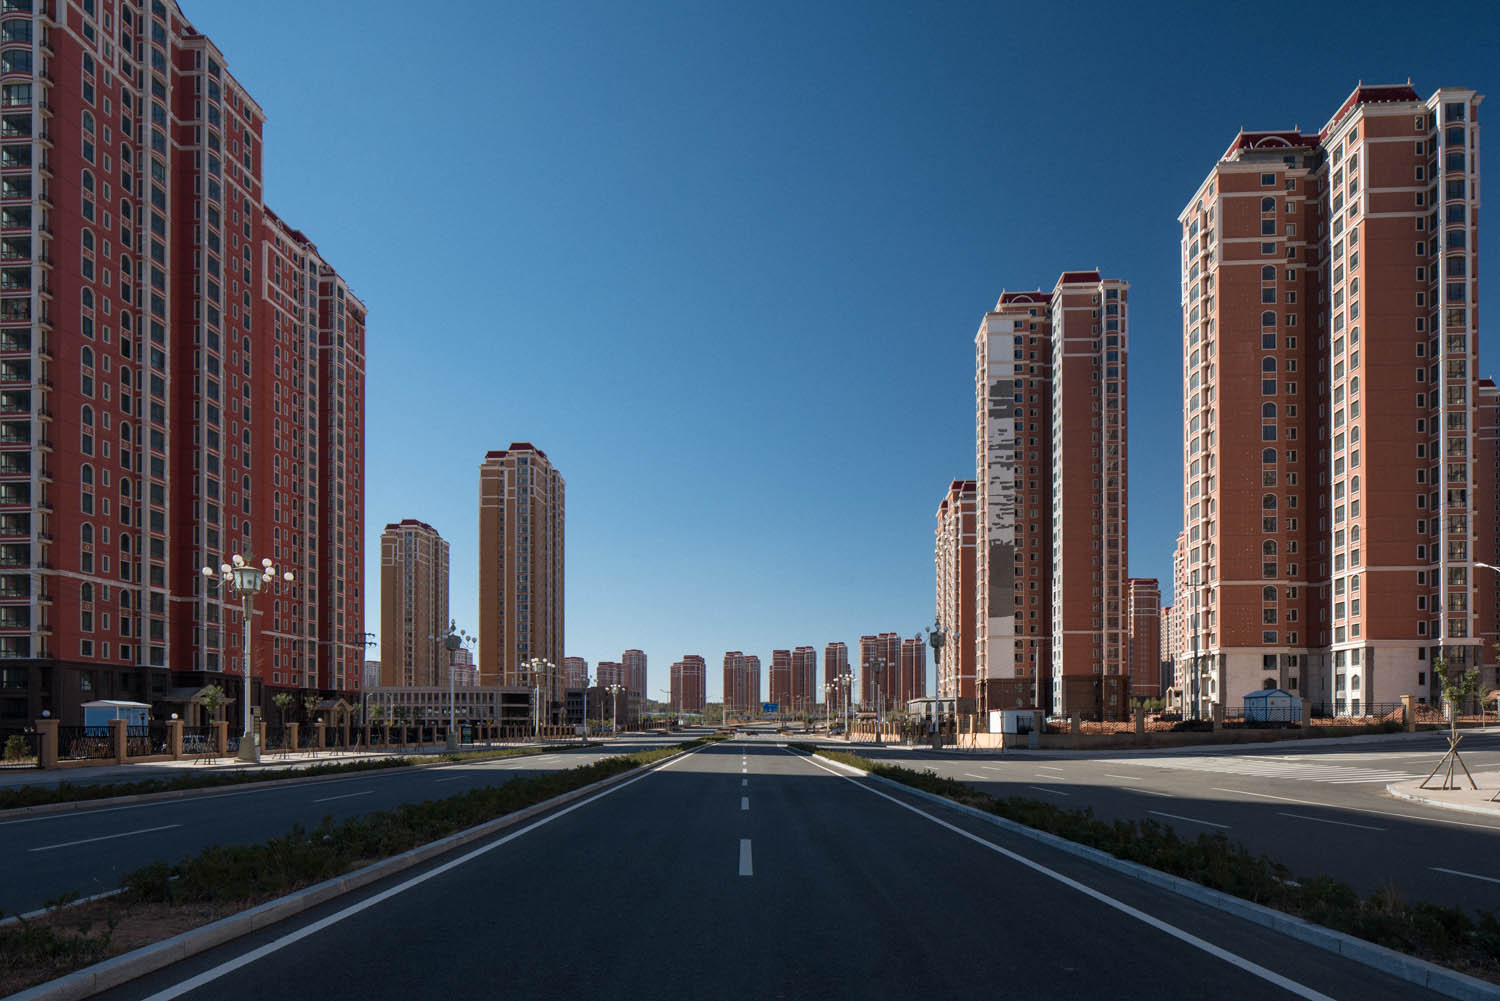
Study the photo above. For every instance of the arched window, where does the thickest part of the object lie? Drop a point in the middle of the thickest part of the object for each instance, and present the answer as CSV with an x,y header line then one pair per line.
x,y
1268,502
86,593
1267,319
1268,274
86,475
86,534
1268,594
1268,410
88,178
1268,205
1268,456
88,123
1354,485
86,357
1268,364
87,298
1354,683
1268,548
88,241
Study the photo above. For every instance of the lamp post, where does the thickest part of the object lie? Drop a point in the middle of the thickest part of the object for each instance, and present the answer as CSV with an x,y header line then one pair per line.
x,y
877,666
937,637
828,689
452,641
846,680
246,581
614,691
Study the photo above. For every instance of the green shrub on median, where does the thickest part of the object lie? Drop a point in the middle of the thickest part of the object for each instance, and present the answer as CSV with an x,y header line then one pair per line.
x,y
1447,935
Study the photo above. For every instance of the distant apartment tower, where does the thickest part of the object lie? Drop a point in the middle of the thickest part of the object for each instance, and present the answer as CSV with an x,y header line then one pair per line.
x,y
575,672
1145,638
521,533
465,671
835,663
413,605
609,672
689,675
911,679
1013,505
879,668
634,662
805,691
957,602
1168,644
1090,637
741,682
781,680
1335,556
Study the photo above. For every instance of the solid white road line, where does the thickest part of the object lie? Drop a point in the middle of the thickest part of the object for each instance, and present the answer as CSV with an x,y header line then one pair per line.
x,y
1320,820
451,778
1467,875
746,869
1049,768
1190,820
105,837
1127,778
744,802
1240,962
992,768
229,966
1055,792
347,795
971,775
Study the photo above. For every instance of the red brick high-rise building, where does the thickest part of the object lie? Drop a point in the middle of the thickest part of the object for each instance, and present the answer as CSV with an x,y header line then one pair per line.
x,y
634,662
781,680
575,672
1052,508
957,601
1013,505
1145,637
689,676
911,678
1329,502
804,679
181,378
741,683
835,662
879,667
413,605
1487,513
609,672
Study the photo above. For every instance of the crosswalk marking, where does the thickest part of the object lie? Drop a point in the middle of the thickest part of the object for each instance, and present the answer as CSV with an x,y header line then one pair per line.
x,y
1298,769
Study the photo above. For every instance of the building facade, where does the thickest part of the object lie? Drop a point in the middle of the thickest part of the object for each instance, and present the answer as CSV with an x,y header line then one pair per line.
x,y
1487,514
957,601
689,678
1332,553
1145,638
911,678
781,680
522,520
413,605
575,672
634,662
835,663
181,378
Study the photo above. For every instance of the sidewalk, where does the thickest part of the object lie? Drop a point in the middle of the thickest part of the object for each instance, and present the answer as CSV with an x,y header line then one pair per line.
x,y
1466,799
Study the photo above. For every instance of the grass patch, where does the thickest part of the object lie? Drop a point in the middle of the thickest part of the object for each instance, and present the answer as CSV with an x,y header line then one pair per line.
x,y
164,899
1447,935
70,792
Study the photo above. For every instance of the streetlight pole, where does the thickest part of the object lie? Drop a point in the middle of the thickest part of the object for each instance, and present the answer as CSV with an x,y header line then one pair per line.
x,y
452,640
614,691
246,581
846,681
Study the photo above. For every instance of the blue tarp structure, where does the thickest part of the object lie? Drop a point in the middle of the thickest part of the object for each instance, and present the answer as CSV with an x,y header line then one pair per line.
x,y
96,715
1273,705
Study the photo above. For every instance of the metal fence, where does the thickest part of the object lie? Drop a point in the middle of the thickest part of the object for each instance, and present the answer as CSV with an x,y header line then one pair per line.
x,y
1353,712
197,741
76,743
1262,717
19,748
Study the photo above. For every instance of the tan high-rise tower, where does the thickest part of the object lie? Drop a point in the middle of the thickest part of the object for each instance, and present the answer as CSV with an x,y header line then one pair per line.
x,y
413,605
521,529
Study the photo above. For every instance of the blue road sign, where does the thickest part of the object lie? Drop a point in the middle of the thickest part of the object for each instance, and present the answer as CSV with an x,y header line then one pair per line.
x,y
769,707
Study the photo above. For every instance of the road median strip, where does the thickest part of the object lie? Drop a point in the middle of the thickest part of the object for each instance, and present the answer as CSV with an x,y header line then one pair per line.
x,y
235,890
1382,931
27,801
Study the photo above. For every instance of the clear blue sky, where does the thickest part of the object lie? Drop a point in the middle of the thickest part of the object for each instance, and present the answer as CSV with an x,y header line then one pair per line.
x,y
725,262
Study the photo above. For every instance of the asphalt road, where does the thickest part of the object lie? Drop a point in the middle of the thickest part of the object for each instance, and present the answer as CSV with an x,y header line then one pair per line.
x,y
1317,808
87,850
746,871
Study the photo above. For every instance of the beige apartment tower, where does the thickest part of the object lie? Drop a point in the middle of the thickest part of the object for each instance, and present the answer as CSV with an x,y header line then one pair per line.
x,y
413,605
521,531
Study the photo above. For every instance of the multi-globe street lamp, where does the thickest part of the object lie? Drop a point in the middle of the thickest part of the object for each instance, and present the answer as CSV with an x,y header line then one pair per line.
x,y
877,667
614,691
539,669
247,581
828,690
453,640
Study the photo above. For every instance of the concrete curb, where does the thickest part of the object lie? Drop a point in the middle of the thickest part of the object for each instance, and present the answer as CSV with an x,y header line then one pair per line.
x,y
74,805
1484,810
1449,983
121,969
